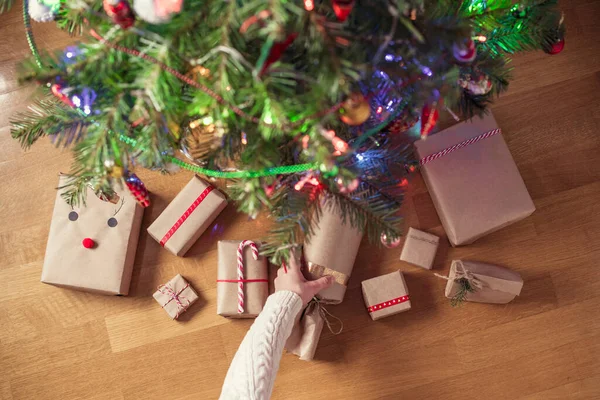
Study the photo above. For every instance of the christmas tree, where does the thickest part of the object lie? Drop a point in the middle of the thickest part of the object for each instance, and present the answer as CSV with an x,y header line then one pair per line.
x,y
293,102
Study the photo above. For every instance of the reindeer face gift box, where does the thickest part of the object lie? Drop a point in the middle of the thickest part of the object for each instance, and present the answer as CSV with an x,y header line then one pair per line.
x,y
92,247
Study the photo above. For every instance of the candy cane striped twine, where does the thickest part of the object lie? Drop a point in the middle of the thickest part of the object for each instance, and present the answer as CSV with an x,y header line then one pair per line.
x,y
240,259
458,146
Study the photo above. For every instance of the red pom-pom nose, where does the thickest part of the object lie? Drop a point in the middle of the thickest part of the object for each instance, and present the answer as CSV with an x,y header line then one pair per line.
x,y
88,243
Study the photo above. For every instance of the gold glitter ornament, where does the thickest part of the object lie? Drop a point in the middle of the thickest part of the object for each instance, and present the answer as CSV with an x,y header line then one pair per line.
x,y
355,110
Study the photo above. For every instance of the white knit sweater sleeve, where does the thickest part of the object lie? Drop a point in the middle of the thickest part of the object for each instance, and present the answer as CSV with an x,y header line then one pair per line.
x,y
252,372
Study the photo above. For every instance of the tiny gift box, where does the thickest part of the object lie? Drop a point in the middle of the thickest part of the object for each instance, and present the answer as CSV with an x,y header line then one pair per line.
x,y
419,248
189,214
242,279
175,296
92,247
473,180
487,283
386,295
331,251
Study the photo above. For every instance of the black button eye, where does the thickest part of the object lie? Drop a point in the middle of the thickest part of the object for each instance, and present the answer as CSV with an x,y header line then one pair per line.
x,y
112,222
73,216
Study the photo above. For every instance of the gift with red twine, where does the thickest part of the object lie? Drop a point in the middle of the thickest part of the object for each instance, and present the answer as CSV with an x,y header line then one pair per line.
x,y
386,295
242,279
473,181
190,213
175,296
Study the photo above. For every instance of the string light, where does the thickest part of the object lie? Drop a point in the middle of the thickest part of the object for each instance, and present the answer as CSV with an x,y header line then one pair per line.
x,y
309,5
244,138
480,38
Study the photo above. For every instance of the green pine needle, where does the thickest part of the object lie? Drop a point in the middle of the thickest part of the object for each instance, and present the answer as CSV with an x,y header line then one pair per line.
x,y
464,289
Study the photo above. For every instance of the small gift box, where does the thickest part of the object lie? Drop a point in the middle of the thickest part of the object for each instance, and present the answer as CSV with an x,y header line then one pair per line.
x,y
242,279
92,247
481,283
331,251
175,296
386,295
419,248
473,180
307,330
189,214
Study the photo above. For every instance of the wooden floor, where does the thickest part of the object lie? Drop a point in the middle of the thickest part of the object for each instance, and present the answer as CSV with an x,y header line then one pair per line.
x,y
61,344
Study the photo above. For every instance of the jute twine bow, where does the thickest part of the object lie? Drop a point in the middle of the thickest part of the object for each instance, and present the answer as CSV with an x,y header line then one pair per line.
x,y
168,291
463,273
325,314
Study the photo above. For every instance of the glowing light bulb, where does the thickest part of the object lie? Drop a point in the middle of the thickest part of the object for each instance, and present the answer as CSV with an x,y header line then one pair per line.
x,y
309,5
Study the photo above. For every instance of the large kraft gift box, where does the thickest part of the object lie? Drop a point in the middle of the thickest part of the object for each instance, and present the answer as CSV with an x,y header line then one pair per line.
x,y
489,283
184,220
473,180
110,230
386,295
332,251
255,292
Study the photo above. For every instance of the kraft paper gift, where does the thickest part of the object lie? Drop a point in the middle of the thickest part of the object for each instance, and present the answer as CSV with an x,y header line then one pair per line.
x,y
113,228
175,296
305,335
331,251
420,248
490,283
180,225
256,287
473,180
386,295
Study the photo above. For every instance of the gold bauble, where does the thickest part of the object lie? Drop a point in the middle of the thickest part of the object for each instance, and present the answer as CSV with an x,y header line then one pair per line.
x,y
200,140
198,72
117,172
355,110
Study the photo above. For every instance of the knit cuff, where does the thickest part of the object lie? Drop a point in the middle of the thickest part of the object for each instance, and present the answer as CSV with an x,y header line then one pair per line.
x,y
287,299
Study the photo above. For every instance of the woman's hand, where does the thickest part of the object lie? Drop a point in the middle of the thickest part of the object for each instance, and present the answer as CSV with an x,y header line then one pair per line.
x,y
290,278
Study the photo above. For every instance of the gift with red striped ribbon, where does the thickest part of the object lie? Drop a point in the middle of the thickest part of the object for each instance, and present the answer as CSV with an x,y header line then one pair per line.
x,y
386,295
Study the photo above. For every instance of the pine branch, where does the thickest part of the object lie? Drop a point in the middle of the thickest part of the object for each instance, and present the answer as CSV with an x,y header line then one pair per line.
x,y
48,117
5,5
464,289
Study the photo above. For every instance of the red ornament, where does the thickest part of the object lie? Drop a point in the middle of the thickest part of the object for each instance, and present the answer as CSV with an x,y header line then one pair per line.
x,y
138,189
277,50
464,53
429,117
88,243
390,243
120,12
402,123
56,90
342,9
556,47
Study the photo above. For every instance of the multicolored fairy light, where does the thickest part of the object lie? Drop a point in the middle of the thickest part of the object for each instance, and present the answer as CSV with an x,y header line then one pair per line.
x,y
309,5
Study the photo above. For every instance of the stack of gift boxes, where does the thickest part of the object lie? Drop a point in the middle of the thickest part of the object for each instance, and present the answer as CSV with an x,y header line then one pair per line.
x,y
469,171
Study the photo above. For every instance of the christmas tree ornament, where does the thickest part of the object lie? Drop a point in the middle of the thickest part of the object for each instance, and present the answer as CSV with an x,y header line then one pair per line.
x,y
198,72
157,11
464,52
557,44
138,189
58,92
390,243
43,10
342,8
277,50
429,117
402,122
355,110
477,86
200,138
519,11
120,12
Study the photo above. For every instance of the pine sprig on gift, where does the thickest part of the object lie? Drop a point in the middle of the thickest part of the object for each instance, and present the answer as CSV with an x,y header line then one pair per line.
x,y
464,288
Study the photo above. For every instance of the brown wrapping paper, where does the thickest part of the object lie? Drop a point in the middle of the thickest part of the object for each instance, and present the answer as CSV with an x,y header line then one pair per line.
x,y
197,220
477,189
175,296
419,248
499,285
255,293
383,290
331,251
105,268
306,333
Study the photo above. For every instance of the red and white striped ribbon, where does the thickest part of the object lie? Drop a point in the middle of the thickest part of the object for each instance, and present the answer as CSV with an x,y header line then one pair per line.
x,y
240,259
457,146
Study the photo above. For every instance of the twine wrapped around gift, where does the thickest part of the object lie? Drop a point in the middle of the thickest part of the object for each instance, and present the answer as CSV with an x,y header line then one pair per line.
x,y
325,314
176,296
468,282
